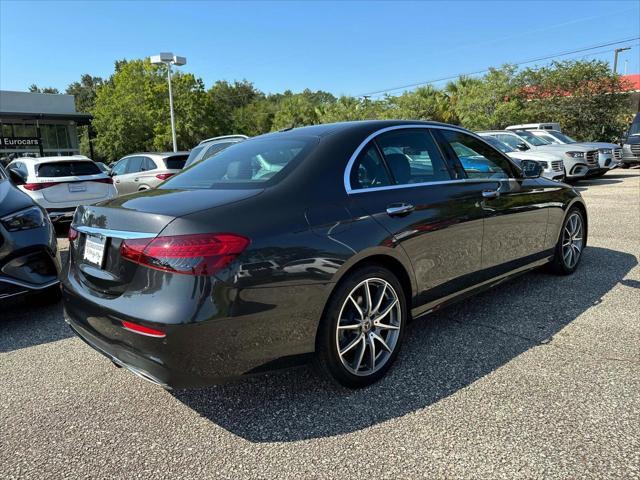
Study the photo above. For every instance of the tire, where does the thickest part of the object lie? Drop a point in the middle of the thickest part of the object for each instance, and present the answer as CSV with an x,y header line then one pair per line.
x,y
571,244
48,296
625,165
344,354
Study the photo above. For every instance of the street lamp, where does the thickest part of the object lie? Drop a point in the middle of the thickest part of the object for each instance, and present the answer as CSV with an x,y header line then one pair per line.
x,y
169,59
615,57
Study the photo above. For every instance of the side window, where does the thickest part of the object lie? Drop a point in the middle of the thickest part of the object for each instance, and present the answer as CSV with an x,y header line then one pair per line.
x,y
412,156
511,140
147,164
478,159
135,164
369,171
120,168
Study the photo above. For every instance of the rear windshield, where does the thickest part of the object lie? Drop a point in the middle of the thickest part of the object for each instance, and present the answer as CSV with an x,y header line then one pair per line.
x,y
249,163
193,154
67,169
175,162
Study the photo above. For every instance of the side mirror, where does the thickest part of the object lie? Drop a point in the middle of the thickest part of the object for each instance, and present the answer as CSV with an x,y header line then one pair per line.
x,y
17,177
531,169
522,147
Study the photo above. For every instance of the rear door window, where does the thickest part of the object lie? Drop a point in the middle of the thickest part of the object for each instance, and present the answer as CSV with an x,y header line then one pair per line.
x,y
412,156
147,164
67,169
175,162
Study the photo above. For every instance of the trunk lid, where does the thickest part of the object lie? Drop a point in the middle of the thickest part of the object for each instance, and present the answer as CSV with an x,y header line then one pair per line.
x,y
141,215
75,189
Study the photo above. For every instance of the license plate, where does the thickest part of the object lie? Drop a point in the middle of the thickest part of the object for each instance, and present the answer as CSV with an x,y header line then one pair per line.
x,y
77,188
94,249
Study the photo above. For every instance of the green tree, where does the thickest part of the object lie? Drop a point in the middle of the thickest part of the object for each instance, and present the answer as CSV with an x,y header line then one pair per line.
x,y
582,96
131,111
224,99
84,93
424,103
300,109
33,88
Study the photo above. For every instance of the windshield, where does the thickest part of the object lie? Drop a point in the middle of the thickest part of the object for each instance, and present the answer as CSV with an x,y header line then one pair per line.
x,y
247,164
503,147
532,139
193,154
561,136
635,127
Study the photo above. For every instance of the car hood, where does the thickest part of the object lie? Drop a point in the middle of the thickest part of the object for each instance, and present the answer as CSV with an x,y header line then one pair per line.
x,y
571,147
633,140
12,199
601,144
535,155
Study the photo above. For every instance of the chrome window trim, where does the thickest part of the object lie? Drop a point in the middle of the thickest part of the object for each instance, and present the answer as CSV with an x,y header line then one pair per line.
x,y
354,156
105,232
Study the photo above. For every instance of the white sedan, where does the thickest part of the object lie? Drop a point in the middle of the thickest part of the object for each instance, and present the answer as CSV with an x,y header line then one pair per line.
x,y
60,184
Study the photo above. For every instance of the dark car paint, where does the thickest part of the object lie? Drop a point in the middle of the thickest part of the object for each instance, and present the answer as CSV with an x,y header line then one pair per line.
x,y
29,259
244,320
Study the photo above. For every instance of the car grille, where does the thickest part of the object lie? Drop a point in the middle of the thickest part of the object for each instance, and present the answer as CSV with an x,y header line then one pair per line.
x,y
617,153
635,149
592,157
557,166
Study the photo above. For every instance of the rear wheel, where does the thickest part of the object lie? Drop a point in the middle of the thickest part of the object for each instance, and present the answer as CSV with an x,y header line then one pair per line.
x,y
361,332
571,243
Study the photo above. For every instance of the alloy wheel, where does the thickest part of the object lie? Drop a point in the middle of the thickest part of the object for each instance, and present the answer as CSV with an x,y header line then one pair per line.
x,y
368,326
572,240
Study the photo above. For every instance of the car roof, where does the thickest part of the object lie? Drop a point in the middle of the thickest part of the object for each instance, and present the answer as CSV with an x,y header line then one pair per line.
x,y
157,154
327,129
36,160
223,138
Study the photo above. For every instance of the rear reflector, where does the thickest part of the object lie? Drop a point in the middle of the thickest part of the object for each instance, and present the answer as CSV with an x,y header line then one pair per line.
x,y
39,186
142,330
73,234
164,176
200,254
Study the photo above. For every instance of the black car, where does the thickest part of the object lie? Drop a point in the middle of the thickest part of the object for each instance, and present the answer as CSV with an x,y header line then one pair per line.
x,y
222,271
29,258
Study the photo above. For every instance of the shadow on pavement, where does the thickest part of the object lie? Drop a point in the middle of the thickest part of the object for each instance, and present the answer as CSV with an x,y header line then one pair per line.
x,y
443,353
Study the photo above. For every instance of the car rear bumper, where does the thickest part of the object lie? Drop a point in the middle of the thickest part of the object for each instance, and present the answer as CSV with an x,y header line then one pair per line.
x,y
234,339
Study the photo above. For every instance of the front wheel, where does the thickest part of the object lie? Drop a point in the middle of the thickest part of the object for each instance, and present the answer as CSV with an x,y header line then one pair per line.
x,y
568,251
362,329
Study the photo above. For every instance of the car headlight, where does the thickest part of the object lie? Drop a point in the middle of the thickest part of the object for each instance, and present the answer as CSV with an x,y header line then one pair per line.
x,y
26,219
606,151
575,154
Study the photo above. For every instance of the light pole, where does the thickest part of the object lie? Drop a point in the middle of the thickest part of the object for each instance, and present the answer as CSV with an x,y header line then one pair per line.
x,y
615,57
169,59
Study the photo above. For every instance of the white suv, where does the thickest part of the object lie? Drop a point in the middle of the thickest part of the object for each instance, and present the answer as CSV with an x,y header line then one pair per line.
x,y
60,184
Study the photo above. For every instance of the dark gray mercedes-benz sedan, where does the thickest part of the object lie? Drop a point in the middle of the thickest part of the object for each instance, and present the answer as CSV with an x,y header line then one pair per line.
x,y
313,243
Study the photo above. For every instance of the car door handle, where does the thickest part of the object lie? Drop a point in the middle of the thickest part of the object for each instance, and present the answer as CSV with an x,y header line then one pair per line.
x,y
399,209
136,179
117,181
490,193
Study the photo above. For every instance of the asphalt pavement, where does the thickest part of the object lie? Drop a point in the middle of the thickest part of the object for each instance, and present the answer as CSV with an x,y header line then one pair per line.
x,y
538,378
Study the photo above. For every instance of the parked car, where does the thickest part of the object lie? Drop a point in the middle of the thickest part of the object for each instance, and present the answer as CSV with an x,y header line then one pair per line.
x,y
552,164
143,171
29,258
579,160
536,126
60,184
209,147
152,280
631,145
609,154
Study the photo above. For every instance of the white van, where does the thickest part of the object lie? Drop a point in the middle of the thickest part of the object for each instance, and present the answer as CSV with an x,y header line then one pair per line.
x,y
536,126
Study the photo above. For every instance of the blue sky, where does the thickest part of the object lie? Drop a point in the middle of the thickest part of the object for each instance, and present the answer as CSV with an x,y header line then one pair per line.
x,y
343,47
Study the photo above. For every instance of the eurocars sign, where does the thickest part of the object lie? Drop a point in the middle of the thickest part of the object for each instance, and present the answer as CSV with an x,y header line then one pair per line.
x,y
19,142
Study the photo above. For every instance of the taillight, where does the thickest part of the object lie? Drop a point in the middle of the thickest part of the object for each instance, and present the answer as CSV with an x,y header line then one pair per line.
x,y
200,254
142,330
73,234
108,180
164,176
39,186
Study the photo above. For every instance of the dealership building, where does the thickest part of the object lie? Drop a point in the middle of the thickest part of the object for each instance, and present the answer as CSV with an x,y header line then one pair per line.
x,y
39,124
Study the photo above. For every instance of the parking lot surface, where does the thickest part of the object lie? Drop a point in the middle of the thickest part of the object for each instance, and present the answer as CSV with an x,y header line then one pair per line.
x,y
538,378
